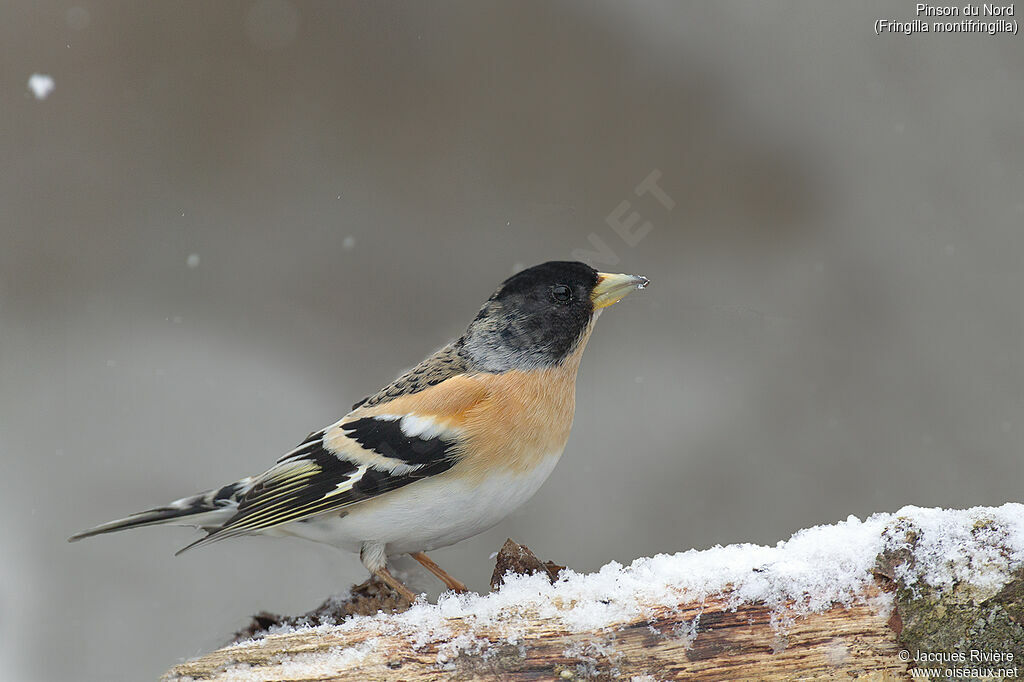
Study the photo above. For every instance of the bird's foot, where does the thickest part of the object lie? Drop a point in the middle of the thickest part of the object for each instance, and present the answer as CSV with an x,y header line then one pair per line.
x,y
442,575
395,584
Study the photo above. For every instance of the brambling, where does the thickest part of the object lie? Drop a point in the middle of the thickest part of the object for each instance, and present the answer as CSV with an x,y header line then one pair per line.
x,y
443,452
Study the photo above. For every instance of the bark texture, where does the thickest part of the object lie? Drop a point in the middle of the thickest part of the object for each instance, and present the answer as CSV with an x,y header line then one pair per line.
x,y
707,641
713,639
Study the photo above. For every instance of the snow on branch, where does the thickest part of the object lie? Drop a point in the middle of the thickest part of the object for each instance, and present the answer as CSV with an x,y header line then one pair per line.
x,y
857,599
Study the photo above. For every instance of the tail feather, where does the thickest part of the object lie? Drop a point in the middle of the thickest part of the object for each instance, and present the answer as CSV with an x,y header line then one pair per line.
x,y
206,510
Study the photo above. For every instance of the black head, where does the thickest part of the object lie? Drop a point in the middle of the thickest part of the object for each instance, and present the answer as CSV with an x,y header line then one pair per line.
x,y
537,317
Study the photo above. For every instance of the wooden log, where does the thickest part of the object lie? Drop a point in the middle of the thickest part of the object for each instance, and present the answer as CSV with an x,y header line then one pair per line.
x,y
944,588
706,641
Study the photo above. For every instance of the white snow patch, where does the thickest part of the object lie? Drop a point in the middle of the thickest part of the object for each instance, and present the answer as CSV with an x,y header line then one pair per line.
x,y
976,545
192,261
41,85
812,571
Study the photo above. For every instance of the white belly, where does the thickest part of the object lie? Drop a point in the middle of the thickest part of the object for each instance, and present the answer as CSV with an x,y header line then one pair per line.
x,y
432,513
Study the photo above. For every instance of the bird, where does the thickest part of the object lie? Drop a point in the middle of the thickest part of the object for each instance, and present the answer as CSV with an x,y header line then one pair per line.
x,y
443,452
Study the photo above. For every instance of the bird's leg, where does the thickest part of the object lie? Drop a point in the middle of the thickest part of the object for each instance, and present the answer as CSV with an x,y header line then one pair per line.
x,y
374,557
449,582
395,584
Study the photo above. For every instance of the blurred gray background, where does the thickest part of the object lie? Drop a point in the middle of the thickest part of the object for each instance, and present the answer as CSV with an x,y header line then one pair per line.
x,y
230,221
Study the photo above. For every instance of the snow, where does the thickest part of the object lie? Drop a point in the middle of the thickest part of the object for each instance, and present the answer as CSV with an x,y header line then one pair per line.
x,y
192,261
41,85
811,572
977,545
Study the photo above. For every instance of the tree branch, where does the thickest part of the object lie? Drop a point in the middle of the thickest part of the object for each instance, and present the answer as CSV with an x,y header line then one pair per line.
x,y
850,601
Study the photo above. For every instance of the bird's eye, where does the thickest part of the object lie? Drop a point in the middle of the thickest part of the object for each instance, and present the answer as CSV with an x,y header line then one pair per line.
x,y
561,293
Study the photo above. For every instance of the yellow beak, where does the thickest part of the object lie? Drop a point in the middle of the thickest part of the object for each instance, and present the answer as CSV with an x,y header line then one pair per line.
x,y
613,288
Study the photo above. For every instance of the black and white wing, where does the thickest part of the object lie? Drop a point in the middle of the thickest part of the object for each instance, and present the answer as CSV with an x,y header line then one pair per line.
x,y
368,453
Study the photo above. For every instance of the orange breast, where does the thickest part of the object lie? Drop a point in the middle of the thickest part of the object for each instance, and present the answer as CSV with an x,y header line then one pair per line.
x,y
524,420
512,421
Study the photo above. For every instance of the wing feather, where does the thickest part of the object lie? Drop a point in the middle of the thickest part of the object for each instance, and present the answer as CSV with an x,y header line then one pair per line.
x,y
366,454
